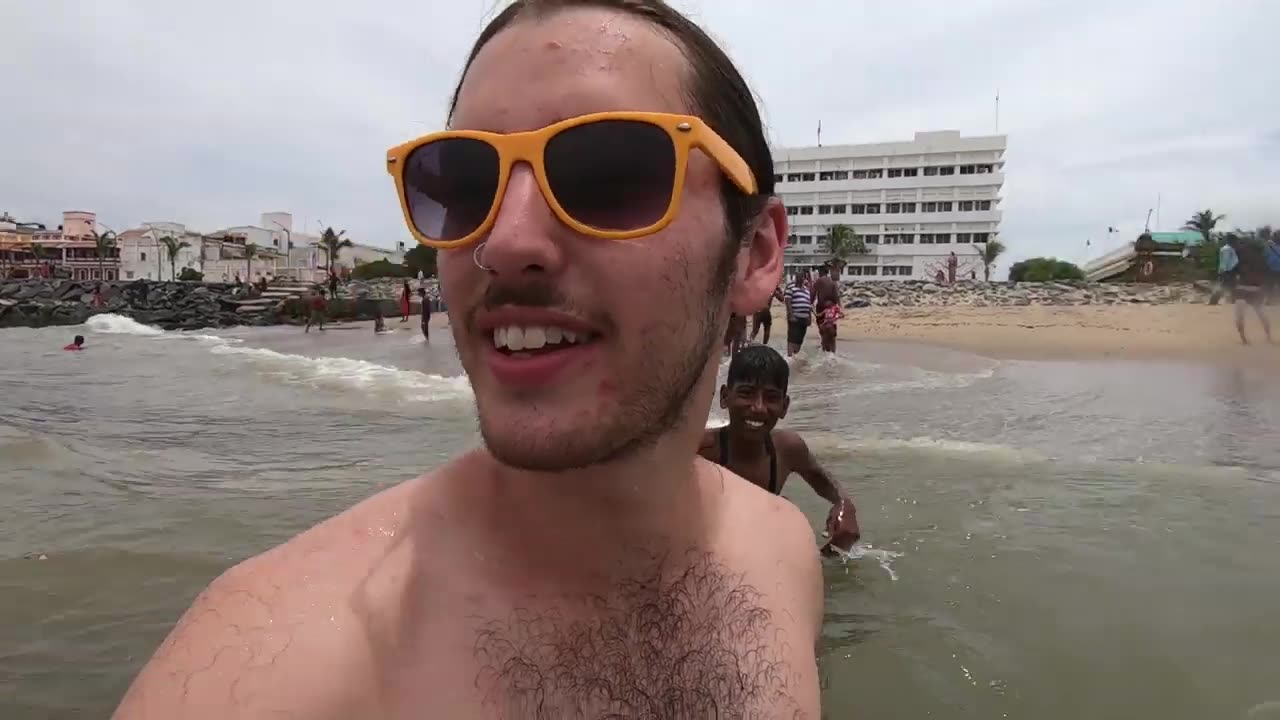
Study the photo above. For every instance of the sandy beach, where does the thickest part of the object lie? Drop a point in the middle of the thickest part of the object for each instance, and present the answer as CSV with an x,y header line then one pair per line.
x,y
1199,333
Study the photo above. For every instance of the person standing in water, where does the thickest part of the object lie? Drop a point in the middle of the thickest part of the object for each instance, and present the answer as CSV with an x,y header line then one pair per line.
x,y
426,313
763,319
318,307
405,293
799,312
826,296
77,343
1250,286
755,396
519,578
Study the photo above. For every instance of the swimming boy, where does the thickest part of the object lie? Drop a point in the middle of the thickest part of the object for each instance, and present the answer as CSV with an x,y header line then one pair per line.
x,y
755,394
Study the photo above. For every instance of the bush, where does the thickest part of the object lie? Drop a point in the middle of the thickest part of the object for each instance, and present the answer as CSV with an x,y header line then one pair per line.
x,y
379,269
1044,270
191,275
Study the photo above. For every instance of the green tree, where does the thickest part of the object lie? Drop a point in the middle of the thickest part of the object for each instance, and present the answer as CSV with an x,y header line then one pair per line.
x,y
421,257
1204,222
332,243
989,253
172,247
1044,270
843,242
102,244
250,252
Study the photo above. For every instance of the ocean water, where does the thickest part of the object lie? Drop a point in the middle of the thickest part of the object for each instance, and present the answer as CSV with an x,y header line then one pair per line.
x,y
1045,540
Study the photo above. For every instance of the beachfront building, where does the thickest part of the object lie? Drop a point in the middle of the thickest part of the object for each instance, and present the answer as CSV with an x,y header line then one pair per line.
x,y
1152,257
31,249
912,203
145,256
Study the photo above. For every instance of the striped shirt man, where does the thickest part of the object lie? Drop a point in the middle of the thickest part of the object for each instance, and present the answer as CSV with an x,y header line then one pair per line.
x,y
799,302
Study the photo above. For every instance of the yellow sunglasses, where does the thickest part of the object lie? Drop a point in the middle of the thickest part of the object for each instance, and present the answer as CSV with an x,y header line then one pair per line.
x,y
610,175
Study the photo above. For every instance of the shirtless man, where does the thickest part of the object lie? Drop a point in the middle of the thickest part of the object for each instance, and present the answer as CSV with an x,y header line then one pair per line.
x,y
755,394
584,562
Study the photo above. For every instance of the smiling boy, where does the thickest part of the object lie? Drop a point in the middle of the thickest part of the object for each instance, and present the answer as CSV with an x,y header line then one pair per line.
x,y
755,396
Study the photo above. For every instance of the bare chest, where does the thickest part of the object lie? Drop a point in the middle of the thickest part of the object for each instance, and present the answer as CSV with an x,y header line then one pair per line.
x,y
697,642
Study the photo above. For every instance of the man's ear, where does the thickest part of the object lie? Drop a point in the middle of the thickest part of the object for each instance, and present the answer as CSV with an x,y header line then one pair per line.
x,y
760,260
724,396
786,405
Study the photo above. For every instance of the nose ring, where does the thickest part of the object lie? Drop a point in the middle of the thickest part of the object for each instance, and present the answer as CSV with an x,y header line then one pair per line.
x,y
475,257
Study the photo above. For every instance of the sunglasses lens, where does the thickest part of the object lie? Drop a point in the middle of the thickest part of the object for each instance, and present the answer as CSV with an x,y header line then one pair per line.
x,y
612,174
450,186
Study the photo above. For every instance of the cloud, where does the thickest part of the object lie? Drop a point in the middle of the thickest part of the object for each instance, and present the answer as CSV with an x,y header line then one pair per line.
x,y
211,113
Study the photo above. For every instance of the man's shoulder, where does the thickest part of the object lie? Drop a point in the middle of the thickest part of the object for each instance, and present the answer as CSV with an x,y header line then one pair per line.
x,y
271,624
789,444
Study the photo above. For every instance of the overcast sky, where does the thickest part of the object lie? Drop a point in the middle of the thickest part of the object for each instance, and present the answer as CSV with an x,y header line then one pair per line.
x,y
209,113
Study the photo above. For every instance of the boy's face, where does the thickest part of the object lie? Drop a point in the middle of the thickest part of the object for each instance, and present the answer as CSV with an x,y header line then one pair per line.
x,y
755,407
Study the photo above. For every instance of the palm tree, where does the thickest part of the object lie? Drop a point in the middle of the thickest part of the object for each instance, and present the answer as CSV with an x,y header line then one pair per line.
x,y
1204,222
988,254
332,243
172,247
250,252
842,242
101,244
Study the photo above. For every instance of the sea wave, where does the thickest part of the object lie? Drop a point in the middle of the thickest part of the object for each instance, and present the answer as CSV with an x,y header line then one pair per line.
x,y
112,324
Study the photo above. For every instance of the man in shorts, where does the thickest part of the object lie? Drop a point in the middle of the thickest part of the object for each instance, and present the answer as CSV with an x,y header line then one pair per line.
x,y
583,561
763,319
826,303
799,311
1250,285
755,396
318,307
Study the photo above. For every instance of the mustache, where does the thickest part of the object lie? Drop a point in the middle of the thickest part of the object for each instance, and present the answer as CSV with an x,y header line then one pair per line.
x,y
538,294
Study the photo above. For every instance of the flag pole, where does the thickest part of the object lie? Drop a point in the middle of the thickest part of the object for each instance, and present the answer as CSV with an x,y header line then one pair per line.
x,y
997,111
819,133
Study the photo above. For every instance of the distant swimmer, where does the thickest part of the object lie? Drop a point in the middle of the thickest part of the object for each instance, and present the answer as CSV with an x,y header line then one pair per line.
x,y
76,344
379,323
755,395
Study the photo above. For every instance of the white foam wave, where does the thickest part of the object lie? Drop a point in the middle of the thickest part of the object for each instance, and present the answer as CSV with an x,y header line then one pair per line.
x,y
112,324
349,373
884,558
942,445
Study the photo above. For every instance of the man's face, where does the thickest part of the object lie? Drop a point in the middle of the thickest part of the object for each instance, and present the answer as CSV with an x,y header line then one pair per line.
x,y
754,407
645,314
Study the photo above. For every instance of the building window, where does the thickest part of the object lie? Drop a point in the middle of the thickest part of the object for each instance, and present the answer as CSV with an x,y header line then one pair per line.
x,y
873,208
964,237
893,208
831,209
968,169
777,178
984,204
947,170
966,206
834,175
792,239
899,270
806,209
930,171
903,172
860,270
930,207
144,257
871,239
944,206
793,177
793,210
806,177
908,207
806,239
981,237
984,169
900,239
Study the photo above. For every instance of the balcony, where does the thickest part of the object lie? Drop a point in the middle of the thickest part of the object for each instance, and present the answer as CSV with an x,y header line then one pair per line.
x,y
887,183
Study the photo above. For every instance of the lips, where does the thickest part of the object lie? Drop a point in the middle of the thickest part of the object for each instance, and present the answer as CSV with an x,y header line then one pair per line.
x,y
531,347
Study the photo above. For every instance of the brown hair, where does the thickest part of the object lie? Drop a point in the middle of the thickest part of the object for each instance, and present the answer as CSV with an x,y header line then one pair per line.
x,y
716,92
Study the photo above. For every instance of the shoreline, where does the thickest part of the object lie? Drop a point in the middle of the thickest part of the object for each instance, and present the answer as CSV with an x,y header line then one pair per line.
x,y
1199,334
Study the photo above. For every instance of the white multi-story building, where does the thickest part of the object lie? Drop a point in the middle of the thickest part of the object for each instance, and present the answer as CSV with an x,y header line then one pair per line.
x,y
912,203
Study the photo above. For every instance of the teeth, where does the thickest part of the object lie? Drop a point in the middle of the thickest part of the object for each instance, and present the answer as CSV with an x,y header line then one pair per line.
x,y
516,338
755,424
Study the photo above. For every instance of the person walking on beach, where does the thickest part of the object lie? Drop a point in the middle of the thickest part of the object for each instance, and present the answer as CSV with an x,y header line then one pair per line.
x,y
404,302
520,578
763,319
426,314
1250,285
319,306
755,396
953,263
799,312
333,284
826,295
1228,261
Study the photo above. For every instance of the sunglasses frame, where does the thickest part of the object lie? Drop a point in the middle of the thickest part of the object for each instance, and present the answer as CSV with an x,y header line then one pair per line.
x,y
686,132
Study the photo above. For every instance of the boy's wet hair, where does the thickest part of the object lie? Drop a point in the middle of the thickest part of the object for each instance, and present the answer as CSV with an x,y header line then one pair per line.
x,y
759,365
